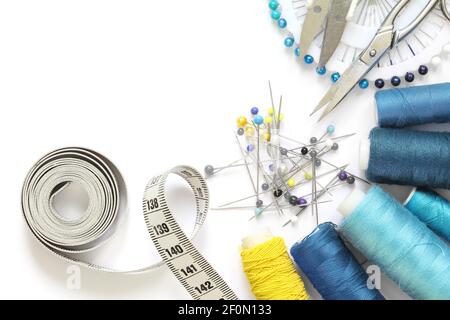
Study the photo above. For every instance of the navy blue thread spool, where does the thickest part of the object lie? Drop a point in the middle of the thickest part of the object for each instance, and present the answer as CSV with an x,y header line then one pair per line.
x,y
398,108
331,267
406,157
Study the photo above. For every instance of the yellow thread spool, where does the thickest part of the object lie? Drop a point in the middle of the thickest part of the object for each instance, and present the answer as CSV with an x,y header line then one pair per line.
x,y
269,269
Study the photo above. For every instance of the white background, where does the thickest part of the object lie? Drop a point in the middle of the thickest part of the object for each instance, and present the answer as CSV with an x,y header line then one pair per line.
x,y
150,85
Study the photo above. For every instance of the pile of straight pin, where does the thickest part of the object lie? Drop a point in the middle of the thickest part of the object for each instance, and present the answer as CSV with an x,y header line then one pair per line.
x,y
286,175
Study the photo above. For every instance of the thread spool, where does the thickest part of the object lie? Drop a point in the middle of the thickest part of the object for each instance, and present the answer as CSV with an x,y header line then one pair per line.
x,y
432,209
331,267
393,238
398,108
406,157
270,270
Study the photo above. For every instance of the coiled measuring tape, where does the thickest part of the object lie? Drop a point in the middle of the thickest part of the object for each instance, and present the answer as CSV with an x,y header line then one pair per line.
x,y
107,199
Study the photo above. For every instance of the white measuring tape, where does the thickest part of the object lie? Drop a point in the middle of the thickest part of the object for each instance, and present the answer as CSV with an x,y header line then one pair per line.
x,y
107,199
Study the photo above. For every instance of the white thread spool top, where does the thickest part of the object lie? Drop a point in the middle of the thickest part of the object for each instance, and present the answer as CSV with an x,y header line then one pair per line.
x,y
411,194
364,154
257,239
356,196
375,111
351,202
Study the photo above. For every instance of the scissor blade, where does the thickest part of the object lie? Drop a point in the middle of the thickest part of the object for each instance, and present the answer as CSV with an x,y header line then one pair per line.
x,y
314,20
334,29
326,99
346,83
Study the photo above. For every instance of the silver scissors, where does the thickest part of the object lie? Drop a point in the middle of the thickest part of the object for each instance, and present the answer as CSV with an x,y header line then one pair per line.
x,y
334,15
387,36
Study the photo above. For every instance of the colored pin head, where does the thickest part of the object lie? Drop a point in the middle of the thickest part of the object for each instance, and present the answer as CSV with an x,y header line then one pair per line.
x,y
258,120
241,121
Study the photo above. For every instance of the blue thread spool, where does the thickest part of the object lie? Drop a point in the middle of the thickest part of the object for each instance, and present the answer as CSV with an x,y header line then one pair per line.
x,y
406,157
402,246
331,267
398,108
431,209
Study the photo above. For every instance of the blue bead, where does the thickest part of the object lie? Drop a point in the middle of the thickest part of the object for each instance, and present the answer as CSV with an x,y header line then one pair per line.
x,y
273,5
309,59
282,23
250,148
395,81
409,77
335,77
258,120
364,84
258,211
275,14
297,52
379,83
289,42
330,129
254,110
321,71
423,70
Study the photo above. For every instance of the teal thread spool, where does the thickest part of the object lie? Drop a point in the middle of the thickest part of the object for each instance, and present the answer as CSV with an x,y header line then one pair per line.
x,y
431,209
398,108
400,244
407,157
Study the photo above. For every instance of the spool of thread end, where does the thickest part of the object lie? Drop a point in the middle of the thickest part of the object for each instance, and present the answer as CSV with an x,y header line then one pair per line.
x,y
364,154
257,239
349,204
269,269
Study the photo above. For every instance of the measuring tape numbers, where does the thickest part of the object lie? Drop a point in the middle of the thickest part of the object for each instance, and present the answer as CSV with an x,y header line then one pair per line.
x,y
106,190
187,264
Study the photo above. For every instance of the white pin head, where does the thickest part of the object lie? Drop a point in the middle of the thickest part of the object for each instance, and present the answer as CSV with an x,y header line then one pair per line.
x,y
446,48
436,61
329,143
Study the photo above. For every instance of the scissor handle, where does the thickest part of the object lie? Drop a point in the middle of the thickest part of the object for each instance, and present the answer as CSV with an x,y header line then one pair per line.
x,y
402,33
445,9
390,19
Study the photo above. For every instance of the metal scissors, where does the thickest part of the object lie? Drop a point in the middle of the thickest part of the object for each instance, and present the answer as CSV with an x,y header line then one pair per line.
x,y
387,36
334,14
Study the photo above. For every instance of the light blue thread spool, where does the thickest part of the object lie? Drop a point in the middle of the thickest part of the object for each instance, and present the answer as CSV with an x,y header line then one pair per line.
x,y
398,108
431,209
400,244
406,157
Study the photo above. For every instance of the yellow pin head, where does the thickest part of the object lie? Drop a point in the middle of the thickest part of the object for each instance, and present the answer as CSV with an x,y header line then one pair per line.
x,y
250,131
291,183
241,121
308,176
